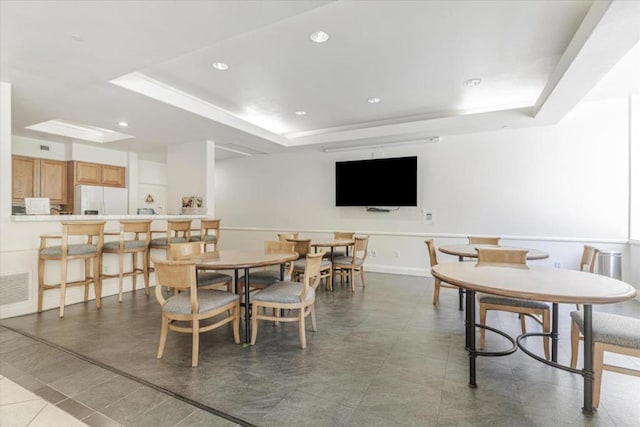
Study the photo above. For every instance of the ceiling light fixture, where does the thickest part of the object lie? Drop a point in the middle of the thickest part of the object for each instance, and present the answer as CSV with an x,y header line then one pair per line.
x,y
301,113
373,100
319,37
220,66
472,82
123,124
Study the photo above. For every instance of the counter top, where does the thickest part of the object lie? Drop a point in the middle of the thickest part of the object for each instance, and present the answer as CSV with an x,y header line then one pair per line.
x,y
44,218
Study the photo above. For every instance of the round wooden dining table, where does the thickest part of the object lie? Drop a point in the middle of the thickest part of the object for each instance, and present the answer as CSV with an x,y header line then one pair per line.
x,y
539,283
242,259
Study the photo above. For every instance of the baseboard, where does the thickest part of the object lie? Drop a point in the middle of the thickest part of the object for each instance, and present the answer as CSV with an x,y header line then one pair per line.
x,y
392,269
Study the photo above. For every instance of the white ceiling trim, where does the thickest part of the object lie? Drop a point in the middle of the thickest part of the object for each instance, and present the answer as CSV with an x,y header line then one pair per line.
x,y
144,85
606,35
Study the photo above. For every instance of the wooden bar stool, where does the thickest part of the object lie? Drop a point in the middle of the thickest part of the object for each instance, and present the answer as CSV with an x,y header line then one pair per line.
x,y
206,226
141,230
178,231
87,251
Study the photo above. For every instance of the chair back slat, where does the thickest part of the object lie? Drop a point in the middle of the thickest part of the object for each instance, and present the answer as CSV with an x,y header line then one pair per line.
x,y
431,247
302,246
178,228
588,260
312,271
507,257
343,235
286,236
360,247
179,275
276,246
180,251
474,240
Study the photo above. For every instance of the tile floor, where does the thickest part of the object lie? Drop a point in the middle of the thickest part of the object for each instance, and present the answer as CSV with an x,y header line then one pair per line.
x,y
19,407
381,356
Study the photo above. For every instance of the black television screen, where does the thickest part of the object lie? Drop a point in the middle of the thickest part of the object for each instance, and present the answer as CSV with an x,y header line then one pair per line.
x,y
377,182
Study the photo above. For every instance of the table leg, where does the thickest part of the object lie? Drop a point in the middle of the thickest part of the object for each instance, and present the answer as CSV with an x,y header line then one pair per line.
x,y
554,333
235,282
470,336
281,272
460,290
587,371
247,308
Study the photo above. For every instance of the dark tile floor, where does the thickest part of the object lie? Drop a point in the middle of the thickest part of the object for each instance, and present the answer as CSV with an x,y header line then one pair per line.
x,y
381,356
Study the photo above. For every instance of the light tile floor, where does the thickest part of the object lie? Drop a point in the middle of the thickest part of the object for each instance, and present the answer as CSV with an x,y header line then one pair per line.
x,y
20,408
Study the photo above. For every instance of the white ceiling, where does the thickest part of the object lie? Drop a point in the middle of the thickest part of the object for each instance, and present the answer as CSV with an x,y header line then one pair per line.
x,y
149,63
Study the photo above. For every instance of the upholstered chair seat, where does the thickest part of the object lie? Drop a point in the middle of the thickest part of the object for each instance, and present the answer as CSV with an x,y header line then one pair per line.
x,y
513,302
128,244
208,300
207,278
162,242
611,328
611,333
73,250
284,292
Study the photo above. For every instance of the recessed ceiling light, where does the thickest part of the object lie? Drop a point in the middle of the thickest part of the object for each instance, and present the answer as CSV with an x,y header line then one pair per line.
x,y
472,82
373,100
319,37
220,66
301,113
123,124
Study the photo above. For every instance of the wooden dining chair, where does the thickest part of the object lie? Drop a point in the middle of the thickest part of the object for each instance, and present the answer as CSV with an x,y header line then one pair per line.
x,y
342,235
474,240
348,265
209,233
178,231
262,278
297,296
303,247
192,305
133,239
538,311
88,250
437,284
206,279
611,333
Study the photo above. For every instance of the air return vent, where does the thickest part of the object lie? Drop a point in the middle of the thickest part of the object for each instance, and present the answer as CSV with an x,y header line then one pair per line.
x,y
14,288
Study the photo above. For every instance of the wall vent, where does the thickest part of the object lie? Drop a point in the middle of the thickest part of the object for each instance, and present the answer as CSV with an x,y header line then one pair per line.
x,y
44,147
14,288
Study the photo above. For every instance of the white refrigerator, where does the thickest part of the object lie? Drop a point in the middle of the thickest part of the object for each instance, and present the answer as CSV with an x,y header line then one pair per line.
x,y
98,200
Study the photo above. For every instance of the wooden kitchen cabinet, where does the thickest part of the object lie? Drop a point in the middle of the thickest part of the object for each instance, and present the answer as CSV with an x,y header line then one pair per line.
x,y
97,174
53,181
112,175
31,177
86,173
24,178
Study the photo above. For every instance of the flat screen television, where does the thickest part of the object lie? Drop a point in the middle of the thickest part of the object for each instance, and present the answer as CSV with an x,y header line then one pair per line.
x,y
377,182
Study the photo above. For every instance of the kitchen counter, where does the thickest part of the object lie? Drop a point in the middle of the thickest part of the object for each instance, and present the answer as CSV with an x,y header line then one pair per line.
x,y
45,218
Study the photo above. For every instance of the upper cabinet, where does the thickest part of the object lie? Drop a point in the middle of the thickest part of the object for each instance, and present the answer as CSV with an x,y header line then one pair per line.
x,y
24,182
53,180
97,174
112,175
33,177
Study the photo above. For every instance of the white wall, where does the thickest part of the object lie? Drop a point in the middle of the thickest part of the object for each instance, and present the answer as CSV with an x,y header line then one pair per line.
x,y
31,147
553,188
152,180
190,172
